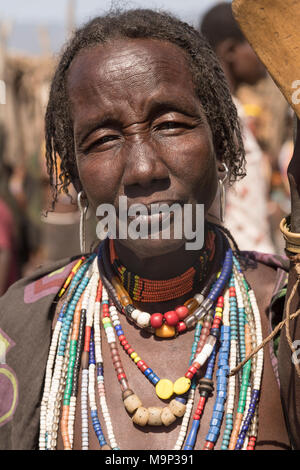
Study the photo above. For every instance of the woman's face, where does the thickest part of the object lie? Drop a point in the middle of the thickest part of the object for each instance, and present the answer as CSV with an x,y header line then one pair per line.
x,y
140,130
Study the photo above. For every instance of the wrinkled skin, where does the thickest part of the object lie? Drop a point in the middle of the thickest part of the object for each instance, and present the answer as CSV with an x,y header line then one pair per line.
x,y
140,131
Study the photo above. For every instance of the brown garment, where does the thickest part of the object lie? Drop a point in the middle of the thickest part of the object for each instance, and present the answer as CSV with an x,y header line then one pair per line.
x,y
26,321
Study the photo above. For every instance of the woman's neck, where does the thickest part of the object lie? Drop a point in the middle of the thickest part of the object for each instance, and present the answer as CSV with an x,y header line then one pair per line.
x,y
160,267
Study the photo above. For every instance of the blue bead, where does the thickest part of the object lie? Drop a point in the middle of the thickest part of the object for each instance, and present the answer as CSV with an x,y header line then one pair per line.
x,y
151,376
222,380
218,407
181,400
191,439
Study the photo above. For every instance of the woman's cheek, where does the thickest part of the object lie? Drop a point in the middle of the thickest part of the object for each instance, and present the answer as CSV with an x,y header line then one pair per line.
x,y
98,179
198,165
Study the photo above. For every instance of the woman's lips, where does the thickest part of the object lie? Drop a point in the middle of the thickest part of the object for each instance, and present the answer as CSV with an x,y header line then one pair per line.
x,y
160,218
157,211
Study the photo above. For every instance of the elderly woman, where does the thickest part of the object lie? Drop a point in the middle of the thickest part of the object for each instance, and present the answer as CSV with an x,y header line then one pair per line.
x,y
130,347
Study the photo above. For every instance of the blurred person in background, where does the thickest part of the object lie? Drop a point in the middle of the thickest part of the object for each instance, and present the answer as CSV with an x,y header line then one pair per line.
x,y
246,208
13,240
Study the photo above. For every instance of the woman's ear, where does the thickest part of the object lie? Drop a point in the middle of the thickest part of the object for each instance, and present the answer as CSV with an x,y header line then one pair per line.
x,y
223,171
220,168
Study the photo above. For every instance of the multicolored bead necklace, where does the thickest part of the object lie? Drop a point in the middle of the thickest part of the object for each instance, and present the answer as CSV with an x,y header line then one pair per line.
x,y
227,327
171,322
147,290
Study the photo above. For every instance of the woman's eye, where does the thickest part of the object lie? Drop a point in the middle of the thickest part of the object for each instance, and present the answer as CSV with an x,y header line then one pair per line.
x,y
102,141
106,138
169,125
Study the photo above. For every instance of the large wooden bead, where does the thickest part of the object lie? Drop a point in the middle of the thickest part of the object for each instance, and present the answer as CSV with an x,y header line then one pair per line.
x,y
132,403
127,393
165,331
154,416
177,408
164,389
167,416
141,416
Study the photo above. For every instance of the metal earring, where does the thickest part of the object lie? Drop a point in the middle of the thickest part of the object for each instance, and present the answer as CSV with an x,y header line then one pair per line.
x,y
83,205
222,192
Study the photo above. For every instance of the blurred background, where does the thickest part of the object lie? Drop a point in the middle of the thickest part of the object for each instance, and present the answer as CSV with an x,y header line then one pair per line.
x,y
31,35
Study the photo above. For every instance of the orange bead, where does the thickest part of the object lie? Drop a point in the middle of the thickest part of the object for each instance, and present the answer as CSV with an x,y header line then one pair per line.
x,y
165,331
191,304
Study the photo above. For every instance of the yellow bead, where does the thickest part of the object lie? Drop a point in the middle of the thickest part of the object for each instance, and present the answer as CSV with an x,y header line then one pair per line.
x,y
165,331
105,320
182,385
219,309
164,389
137,359
133,355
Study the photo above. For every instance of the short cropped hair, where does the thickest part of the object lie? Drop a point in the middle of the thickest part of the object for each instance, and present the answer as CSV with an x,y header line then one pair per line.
x,y
209,80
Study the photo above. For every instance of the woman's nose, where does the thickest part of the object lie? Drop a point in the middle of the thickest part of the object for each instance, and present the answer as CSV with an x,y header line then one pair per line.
x,y
144,166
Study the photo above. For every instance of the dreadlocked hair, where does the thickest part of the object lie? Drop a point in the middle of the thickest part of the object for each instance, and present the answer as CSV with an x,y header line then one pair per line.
x,y
208,78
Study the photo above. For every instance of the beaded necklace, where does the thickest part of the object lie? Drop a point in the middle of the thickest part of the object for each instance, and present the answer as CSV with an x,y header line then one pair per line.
x,y
148,290
227,327
172,322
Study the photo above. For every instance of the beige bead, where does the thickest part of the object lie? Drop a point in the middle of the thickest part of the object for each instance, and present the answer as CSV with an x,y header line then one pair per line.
x,y
127,393
167,416
177,408
143,319
132,403
154,416
141,416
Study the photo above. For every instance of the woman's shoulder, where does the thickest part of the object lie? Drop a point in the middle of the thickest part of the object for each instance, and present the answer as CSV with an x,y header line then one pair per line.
x,y
36,290
267,275
268,265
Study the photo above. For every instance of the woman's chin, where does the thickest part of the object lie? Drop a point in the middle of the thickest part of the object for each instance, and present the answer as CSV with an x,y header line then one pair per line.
x,y
149,248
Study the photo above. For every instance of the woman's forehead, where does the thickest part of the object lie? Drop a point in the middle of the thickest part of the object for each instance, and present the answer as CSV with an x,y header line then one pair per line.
x,y
131,60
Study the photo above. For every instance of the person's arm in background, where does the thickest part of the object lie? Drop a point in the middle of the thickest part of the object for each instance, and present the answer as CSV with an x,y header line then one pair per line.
x,y
289,380
7,245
